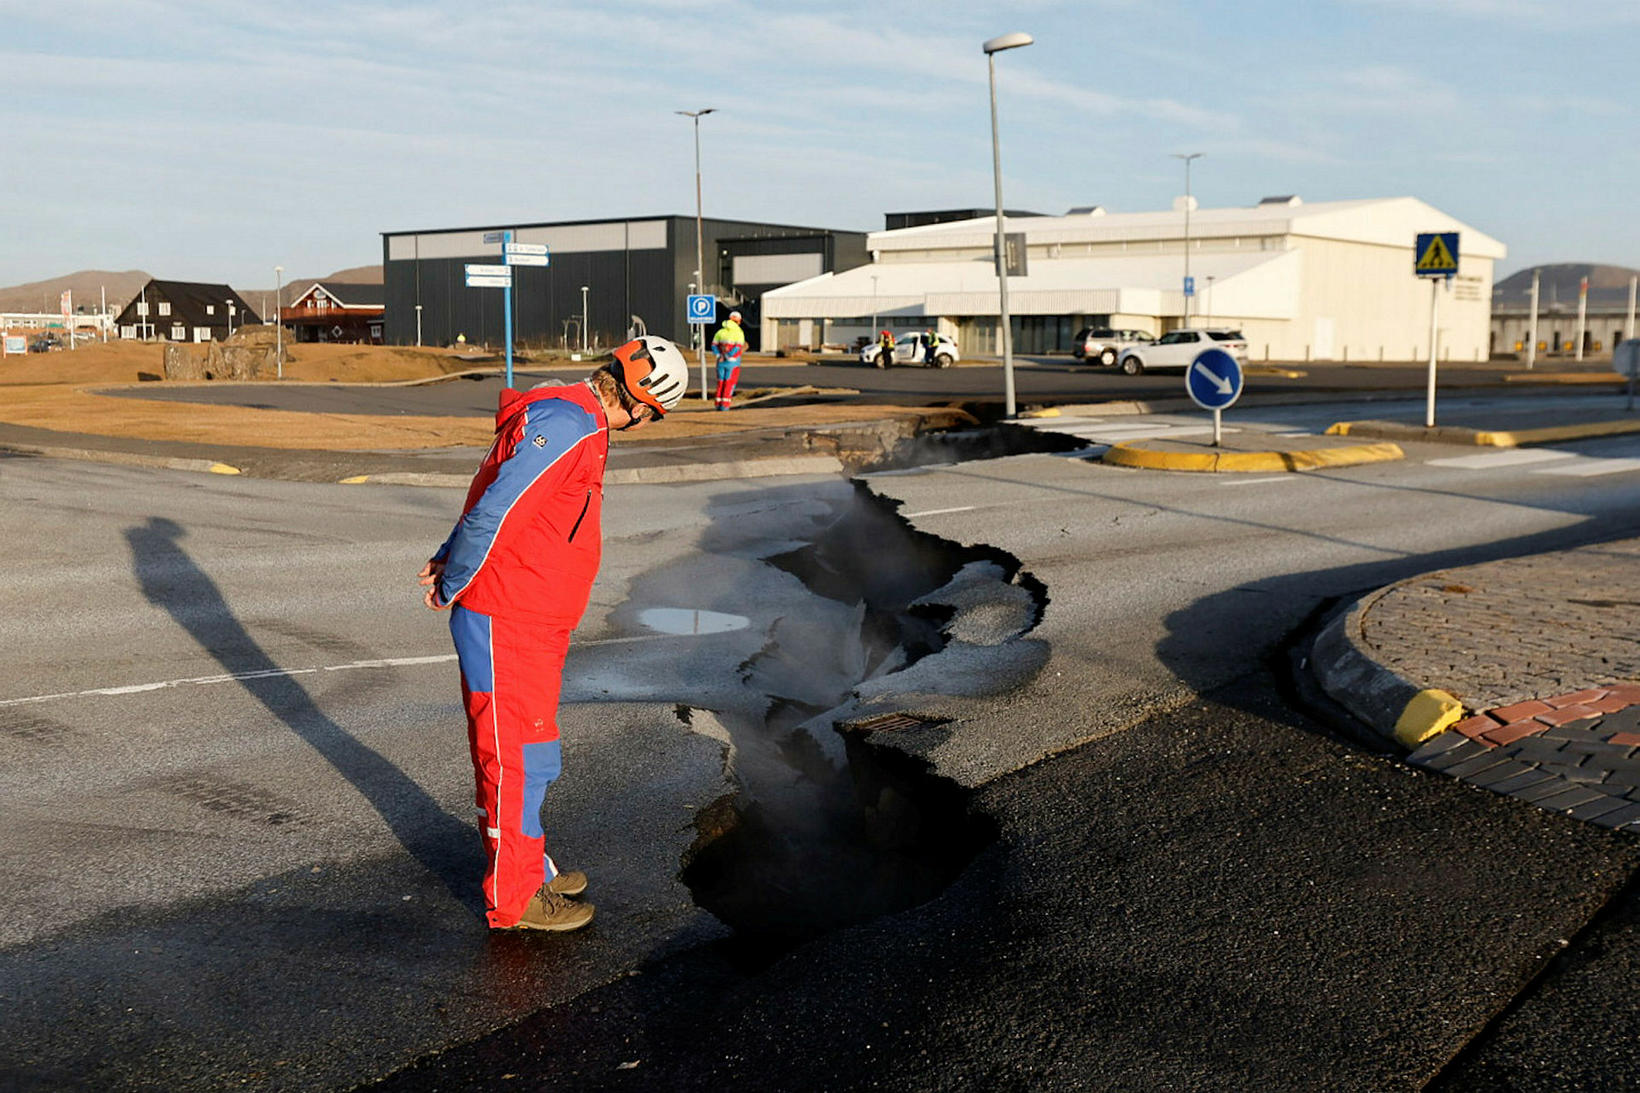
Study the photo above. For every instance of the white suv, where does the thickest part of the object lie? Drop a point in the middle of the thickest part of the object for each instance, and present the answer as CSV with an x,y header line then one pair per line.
x,y
1177,348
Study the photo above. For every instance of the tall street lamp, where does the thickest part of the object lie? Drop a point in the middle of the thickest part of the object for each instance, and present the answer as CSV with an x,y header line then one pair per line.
x,y
992,48
700,268
1189,289
279,318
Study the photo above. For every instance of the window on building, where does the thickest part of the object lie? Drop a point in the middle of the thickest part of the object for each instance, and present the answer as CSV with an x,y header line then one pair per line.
x,y
179,333
142,308
164,307
202,333
210,309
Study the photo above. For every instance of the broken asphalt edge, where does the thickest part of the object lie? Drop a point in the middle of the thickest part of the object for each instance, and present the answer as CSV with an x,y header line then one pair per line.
x,y
1131,454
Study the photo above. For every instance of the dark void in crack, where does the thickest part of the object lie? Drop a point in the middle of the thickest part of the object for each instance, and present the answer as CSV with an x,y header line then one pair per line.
x,y
837,830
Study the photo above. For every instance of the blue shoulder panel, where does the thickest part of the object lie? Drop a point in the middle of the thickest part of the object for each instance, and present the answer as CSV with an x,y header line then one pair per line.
x,y
552,427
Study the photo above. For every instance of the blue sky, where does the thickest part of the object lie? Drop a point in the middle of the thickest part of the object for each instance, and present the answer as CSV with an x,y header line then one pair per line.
x,y
212,139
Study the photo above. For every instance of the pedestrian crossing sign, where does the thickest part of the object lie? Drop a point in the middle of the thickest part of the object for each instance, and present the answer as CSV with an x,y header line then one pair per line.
x,y
1436,254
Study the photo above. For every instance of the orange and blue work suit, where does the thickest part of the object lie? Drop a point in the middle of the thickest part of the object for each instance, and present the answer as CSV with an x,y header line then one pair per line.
x,y
729,343
518,570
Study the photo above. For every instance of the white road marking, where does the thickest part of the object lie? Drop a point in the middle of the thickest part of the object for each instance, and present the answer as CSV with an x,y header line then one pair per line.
x,y
1508,458
278,673
1589,466
940,512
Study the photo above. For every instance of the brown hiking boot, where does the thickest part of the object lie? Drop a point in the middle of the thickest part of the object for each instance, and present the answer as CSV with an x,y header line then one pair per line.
x,y
547,910
572,883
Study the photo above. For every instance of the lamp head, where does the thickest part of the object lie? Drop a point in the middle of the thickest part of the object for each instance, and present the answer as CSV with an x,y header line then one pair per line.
x,y
1008,41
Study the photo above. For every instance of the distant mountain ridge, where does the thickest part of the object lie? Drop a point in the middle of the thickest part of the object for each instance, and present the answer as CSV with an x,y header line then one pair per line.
x,y
1558,285
88,285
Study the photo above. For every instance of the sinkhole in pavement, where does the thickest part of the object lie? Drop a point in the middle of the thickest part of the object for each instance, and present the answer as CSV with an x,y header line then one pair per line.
x,y
830,829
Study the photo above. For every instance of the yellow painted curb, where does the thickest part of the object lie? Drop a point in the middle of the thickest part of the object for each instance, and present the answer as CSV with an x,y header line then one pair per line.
x,y
223,468
1052,411
1339,428
355,480
1429,712
1549,434
1126,455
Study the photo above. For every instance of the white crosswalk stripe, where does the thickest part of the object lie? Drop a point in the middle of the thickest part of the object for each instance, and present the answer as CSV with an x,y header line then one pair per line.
x,y
1541,461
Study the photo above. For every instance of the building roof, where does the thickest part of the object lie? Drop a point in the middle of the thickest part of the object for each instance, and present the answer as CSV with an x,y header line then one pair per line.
x,y
348,294
189,299
1392,221
1146,284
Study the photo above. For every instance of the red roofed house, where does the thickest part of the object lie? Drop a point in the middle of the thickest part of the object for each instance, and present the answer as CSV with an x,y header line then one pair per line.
x,y
337,312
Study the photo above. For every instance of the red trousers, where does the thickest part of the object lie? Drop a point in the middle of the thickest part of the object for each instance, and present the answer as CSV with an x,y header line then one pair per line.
x,y
511,675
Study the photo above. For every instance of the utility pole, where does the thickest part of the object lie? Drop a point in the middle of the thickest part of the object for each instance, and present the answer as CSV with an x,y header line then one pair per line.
x,y
1582,313
1628,330
992,47
279,318
1531,334
700,261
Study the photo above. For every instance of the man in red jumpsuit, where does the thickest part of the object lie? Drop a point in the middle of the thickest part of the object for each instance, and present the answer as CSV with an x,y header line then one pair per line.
x,y
516,574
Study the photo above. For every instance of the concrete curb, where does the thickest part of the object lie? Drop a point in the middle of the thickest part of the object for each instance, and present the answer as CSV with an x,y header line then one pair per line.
x,y
1127,454
124,459
1455,434
636,476
1394,707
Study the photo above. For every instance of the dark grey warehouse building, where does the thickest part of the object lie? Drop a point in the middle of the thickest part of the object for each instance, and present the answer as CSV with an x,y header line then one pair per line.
x,y
634,271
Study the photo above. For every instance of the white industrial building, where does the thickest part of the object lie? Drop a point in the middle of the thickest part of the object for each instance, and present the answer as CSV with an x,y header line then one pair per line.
x,y
1325,281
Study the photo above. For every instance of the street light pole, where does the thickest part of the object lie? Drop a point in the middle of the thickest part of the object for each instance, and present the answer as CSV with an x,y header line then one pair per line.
x,y
992,47
279,318
700,267
1187,157
585,344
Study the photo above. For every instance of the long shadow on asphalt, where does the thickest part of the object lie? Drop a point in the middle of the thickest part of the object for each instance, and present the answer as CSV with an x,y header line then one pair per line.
x,y
171,579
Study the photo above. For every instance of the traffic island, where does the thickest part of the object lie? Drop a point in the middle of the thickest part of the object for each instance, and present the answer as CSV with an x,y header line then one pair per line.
x,y
1248,453
1488,437
1546,710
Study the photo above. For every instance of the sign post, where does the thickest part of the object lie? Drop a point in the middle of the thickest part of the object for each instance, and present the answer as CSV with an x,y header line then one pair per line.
x,y
518,254
701,309
1435,255
1213,382
67,303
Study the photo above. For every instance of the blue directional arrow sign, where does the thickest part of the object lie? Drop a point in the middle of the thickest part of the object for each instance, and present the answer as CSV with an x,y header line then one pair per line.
x,y
701,308
1213,379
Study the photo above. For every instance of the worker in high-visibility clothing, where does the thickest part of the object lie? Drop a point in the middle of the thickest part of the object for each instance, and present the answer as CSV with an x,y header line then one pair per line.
x,y
728,345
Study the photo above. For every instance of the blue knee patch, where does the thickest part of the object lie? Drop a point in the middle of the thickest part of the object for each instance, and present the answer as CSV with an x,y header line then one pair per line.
x,y
542,762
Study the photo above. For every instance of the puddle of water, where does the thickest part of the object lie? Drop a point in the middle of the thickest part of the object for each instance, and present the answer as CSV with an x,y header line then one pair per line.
x,y
688,620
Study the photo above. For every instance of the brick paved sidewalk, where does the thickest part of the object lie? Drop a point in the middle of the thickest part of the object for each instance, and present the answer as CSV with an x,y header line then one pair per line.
x,y
1543,653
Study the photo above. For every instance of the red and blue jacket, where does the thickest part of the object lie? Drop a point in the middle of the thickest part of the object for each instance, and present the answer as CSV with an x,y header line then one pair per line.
x,y
528,541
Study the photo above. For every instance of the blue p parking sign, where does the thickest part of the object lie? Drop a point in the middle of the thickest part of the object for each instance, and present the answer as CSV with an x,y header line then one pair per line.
x,y
701,308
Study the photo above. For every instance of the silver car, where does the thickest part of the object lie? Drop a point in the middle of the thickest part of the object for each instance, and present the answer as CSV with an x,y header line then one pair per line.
x,y
1102,345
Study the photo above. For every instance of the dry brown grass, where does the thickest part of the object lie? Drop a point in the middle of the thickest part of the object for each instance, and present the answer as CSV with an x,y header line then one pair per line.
x,y
58,391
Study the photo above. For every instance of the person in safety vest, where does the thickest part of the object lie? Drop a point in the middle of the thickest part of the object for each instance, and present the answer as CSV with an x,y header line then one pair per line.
x,y
728,345
515,575
885,349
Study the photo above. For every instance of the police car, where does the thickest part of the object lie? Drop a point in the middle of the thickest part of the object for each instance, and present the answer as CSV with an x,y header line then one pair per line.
x,y
915,349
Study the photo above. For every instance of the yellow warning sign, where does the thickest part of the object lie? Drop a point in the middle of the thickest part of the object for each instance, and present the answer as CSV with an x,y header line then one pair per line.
x,y
1437,254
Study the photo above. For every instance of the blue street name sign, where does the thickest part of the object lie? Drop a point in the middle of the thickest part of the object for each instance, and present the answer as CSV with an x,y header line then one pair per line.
x,y
1435,254
494,237
1213,379
701,308
1190,286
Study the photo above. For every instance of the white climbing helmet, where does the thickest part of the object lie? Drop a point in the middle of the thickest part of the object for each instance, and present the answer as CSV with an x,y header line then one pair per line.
x,y
653,371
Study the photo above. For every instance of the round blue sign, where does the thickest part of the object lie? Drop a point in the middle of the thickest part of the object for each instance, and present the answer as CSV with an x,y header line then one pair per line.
x,y
1213,379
